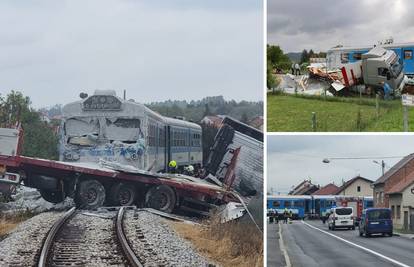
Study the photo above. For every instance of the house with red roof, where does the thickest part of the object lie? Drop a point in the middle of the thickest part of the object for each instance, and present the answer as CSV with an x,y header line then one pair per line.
x,y
329,189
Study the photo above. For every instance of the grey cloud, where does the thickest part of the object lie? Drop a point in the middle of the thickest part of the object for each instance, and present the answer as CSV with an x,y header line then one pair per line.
x,y
179,50
322,24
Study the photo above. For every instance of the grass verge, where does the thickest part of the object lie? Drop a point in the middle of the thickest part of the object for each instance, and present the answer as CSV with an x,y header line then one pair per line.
x,y
230,244
287,113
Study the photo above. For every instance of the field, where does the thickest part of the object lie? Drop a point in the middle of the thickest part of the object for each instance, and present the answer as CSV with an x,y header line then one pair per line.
x,y
288,113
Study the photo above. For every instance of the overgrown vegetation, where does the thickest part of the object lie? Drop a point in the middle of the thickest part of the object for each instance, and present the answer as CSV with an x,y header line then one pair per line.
x,y
229,244
294,113
39,137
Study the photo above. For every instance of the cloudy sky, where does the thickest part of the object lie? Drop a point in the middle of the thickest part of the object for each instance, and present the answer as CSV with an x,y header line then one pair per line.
x,y
294,158
181,49
321,24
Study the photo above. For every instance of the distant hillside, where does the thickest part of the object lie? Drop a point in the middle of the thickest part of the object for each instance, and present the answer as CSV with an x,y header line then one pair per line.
x,y
215,105
294,56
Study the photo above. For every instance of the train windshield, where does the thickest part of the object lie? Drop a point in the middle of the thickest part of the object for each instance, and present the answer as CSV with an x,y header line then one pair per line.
x,y
86,131
396,66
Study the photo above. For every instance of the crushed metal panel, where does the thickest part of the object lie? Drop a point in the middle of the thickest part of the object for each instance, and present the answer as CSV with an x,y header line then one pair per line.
x,y
232,211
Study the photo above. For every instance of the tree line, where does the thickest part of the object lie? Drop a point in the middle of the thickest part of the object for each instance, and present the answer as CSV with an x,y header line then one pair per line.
x,y
39,138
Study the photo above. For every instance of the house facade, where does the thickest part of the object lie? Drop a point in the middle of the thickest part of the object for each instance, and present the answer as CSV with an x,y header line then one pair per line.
x,y
356,187
384,184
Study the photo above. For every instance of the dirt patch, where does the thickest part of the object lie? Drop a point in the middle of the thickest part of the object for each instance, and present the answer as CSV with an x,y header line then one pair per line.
x,y
231,244
9,221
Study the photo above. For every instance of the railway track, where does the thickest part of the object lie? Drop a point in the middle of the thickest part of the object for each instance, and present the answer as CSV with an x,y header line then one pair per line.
x,y
67,242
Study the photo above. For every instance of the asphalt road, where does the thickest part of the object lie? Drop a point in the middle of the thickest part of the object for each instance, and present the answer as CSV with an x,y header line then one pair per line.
x,y
274,254
307,245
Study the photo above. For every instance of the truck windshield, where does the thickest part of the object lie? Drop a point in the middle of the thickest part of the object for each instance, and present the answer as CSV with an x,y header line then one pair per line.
x,y
396,67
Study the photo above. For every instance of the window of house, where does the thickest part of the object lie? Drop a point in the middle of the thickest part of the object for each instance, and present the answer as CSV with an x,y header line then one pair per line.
x,y
408,54
393,211
377,197
382,197
398,211
358,188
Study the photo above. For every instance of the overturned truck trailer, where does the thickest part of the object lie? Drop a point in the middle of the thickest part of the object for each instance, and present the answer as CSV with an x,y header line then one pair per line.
x,y
235,137
92,184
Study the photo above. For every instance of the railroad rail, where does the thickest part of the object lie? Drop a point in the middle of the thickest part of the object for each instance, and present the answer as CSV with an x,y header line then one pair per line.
x,y
72,236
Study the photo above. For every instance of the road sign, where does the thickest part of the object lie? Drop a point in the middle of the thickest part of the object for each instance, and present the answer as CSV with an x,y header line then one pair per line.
x,y
407,100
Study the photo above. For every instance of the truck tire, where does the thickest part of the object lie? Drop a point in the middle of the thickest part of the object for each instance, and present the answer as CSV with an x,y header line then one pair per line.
x,y
90,194
161,197
52,196
122,194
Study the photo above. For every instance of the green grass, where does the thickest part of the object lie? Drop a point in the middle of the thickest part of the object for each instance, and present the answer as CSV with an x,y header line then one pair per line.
x,y
288,113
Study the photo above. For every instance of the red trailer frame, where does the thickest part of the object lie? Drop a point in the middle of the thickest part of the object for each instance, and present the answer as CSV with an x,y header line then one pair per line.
x,y
184,186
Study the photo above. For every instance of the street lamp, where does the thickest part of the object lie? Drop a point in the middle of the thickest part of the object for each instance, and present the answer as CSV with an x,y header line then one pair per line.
x,y
382,164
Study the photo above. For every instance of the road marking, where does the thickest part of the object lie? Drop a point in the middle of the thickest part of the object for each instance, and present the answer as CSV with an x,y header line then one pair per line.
x,y
282,247
358,246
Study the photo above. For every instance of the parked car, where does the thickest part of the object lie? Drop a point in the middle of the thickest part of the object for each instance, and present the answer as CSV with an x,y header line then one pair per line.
x,y
375,221
341,217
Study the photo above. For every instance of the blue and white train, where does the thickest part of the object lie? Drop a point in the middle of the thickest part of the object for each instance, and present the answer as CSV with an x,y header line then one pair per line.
x,y
338,56
104,126
316,206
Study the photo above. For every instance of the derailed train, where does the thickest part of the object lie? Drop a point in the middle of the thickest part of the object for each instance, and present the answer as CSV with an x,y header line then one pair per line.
x,y
107,127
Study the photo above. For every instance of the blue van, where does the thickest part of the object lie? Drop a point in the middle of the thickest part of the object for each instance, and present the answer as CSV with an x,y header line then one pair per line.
x,y
375,221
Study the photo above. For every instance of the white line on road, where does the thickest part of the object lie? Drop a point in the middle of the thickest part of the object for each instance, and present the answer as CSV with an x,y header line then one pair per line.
x,y
282,247
358,246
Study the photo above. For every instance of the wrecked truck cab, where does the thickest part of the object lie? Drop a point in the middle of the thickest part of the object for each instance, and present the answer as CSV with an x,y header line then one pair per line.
x,y
381,65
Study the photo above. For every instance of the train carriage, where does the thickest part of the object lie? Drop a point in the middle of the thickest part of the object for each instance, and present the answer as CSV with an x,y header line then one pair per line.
x,y
106,127
300,206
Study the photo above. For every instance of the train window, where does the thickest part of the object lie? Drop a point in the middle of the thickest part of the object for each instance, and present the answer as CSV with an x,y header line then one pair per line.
x,y
179,138
408,54
288,204
276,203
357,56
344,58
152,135
196,140
298,203
161,137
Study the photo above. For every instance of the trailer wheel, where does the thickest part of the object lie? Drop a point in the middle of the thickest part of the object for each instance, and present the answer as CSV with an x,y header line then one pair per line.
x,y
90,194
161,197
123,194
52,196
